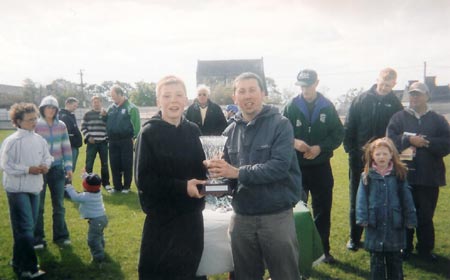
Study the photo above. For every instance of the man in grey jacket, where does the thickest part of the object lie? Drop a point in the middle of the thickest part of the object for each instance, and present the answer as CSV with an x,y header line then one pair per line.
x,y
259,157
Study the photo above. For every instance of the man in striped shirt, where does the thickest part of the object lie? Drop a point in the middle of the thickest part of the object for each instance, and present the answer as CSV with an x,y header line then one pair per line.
x,y
93,128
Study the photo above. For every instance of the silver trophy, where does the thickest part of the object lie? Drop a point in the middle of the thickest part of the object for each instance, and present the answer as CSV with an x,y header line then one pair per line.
x,y
213,148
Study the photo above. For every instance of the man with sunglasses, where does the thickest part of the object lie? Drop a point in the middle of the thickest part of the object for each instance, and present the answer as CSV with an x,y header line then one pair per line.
x,y
206,114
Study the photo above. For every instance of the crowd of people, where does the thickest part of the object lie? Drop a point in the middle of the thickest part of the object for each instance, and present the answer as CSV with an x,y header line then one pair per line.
x,y
272,160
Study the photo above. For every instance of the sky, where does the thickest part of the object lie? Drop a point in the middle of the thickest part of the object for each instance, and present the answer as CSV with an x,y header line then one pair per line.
x,y
347,41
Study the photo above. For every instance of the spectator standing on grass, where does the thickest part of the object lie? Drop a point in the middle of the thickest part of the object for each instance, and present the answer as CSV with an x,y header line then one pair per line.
x,y
55,133
92,209
259,157
67,115
318,131
206,114
24,157
169,166
385,208
122,125
93,127
426,134
367,118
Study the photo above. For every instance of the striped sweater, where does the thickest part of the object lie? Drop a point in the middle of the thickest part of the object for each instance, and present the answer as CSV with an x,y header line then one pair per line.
x,y
58,142
93,125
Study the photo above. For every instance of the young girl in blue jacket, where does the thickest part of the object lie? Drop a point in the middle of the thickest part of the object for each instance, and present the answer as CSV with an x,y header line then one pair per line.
x,y
384,207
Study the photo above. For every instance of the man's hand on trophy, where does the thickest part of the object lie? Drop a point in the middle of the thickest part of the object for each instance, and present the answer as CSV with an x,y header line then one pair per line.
x,y
220,168
192,189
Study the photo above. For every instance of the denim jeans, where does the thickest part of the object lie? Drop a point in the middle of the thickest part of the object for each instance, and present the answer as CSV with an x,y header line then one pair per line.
x,y
55,179
75,152
269,239
91,152
23,210
95,239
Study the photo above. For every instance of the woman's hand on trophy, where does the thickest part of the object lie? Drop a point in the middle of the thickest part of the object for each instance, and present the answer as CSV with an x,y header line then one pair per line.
x,y
220,168
192,189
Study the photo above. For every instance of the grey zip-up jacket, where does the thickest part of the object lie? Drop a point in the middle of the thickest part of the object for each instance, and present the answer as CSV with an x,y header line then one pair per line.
x,y
269,176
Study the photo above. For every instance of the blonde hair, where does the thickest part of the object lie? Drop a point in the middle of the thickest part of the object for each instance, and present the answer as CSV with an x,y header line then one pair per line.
x,y
96,97
399,167
388,74
169,80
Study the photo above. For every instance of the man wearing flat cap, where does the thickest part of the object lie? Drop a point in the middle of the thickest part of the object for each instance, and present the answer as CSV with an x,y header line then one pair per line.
x,y
427,134
318,131
367,118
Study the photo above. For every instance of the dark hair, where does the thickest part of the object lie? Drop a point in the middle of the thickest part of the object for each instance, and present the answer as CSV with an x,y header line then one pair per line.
x,y
18,111
248,76
71,100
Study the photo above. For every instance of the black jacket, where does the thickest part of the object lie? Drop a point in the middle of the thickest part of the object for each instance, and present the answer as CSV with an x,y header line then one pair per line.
x,y
76,140
427,167
166,158
367,118
215,121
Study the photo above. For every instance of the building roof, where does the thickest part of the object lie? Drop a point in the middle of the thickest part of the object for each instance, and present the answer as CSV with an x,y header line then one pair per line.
x,y
229,69
12,90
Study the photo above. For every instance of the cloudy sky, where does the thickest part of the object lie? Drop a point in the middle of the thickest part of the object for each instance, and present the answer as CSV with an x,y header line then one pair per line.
x,y
346,41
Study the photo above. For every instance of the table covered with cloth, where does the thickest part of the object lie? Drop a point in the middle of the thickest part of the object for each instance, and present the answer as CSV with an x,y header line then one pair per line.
x,y
217,257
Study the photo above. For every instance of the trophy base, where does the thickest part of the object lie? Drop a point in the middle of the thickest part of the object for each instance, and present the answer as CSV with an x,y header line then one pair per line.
x,y
217,189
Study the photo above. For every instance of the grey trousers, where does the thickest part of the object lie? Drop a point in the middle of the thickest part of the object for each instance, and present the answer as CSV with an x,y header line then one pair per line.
x,y
265,239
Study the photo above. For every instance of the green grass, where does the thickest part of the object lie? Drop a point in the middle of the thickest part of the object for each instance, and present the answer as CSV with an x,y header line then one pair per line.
x,y
123,236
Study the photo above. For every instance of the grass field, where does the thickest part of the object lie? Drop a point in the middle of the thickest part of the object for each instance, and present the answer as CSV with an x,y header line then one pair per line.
x,y
125,226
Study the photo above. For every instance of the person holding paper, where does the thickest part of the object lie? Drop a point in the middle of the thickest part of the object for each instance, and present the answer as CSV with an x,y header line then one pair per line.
x,y
427,134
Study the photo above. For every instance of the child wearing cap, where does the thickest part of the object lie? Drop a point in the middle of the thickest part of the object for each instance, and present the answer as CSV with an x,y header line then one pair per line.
x,y
92,209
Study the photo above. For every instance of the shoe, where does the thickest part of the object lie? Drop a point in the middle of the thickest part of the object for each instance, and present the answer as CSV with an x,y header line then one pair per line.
x,y
352,245
108,187
29,275
111,191
429,257
406,254
40,245
125,191
64,242
329,259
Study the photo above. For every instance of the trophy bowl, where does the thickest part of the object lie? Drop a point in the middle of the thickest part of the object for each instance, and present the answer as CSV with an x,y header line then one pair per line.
x,y
213,148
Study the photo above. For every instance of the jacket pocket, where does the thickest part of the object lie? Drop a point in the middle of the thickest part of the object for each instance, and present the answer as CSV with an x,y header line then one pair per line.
x,y
261,154
397,219
372,220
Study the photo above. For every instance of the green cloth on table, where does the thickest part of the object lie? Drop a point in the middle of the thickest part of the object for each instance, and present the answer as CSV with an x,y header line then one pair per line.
x,y
309,242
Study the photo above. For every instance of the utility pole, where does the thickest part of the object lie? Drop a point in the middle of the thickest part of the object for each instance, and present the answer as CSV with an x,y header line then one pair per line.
x,y
82,88
424,71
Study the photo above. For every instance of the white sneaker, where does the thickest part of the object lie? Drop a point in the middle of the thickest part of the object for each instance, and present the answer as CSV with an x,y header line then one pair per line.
x,y
125,191
29,275
39,246
108,187
67,242
111,191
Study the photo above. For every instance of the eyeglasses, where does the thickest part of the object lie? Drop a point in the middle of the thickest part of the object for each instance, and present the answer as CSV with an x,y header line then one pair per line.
x,y
202,94
30,120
